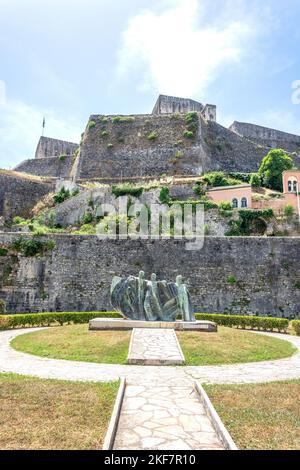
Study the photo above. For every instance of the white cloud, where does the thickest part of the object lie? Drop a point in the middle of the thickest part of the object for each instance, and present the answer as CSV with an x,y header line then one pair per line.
x,y
174,55
21,127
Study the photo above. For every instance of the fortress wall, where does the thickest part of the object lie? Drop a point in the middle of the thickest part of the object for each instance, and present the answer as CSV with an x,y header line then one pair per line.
x,y
19,194
124,149
127,151
48,147
78,273
268,137
52,166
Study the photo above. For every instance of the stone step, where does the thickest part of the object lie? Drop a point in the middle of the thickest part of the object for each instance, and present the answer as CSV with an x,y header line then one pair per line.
x,y
154,347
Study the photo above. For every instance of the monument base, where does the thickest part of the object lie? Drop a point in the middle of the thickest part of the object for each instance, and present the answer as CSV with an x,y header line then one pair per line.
x,y
124,324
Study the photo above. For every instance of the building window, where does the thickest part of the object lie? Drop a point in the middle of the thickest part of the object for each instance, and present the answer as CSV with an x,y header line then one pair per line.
x,y
244,202
295,186
292,185
235,203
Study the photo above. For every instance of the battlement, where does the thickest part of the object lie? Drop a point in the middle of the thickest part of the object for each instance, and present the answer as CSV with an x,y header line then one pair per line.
x,y
48,147
172,104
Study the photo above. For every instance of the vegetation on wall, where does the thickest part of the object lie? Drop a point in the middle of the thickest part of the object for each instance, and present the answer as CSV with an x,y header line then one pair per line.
x,y
242,226
152,136
29,247
127,189
218,178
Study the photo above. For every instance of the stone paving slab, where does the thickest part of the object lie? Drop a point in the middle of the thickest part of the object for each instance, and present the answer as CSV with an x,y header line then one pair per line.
x,y
155,347
164,418
255,372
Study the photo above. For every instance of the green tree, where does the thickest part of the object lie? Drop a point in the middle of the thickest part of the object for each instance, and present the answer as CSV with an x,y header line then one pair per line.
x,y
255,180
272,167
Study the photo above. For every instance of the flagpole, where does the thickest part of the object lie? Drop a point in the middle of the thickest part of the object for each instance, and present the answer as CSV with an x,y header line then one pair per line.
x,y
44,122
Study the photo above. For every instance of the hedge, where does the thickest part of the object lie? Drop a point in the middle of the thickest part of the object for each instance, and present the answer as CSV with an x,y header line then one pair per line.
x,y
296,325
246,321
61,318
51,318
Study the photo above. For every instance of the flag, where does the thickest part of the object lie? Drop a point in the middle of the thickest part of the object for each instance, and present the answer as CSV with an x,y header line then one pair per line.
x,y
44,122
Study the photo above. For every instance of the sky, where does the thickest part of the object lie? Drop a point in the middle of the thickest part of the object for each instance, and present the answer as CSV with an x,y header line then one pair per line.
x,y
68,59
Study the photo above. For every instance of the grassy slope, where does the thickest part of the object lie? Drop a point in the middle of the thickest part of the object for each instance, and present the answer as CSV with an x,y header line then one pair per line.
x,y
262,416
230,345
52,414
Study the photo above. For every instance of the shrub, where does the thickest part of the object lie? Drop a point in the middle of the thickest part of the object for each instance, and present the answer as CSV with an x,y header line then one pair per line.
x,y
295,324
237,175
87,218
110,146
51,318
152,136
289,210
86,229
255,180
179,154
218,178
232,280
191,120
3,251
62,195
178,143
198,189
91,124
127,189
104,133
18,220
246,321
32,247
2,307
272,167
188,134
164,195
118,119
62,157
225,206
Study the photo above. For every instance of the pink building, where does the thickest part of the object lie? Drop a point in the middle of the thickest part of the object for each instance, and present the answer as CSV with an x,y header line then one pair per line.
x,y
291,187
240,196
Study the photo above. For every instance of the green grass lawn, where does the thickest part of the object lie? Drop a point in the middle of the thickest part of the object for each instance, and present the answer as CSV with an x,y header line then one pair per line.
x,y
53,414
76,343
229,346
260,416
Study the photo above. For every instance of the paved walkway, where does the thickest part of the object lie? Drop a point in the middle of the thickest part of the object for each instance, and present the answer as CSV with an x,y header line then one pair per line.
x,y
153,346
164,417
267,371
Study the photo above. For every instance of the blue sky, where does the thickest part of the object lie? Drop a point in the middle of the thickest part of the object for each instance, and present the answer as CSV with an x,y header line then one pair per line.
x,y
67,59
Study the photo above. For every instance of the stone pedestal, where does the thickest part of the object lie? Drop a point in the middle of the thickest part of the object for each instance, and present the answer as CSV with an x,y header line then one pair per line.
x,y
124,324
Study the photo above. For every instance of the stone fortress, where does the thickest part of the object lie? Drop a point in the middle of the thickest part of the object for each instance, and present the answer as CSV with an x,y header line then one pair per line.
x,y
144,145
77,274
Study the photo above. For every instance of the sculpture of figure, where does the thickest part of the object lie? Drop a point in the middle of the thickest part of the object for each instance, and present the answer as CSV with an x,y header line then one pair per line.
x,y
141,292
152,304
184,300
139,299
